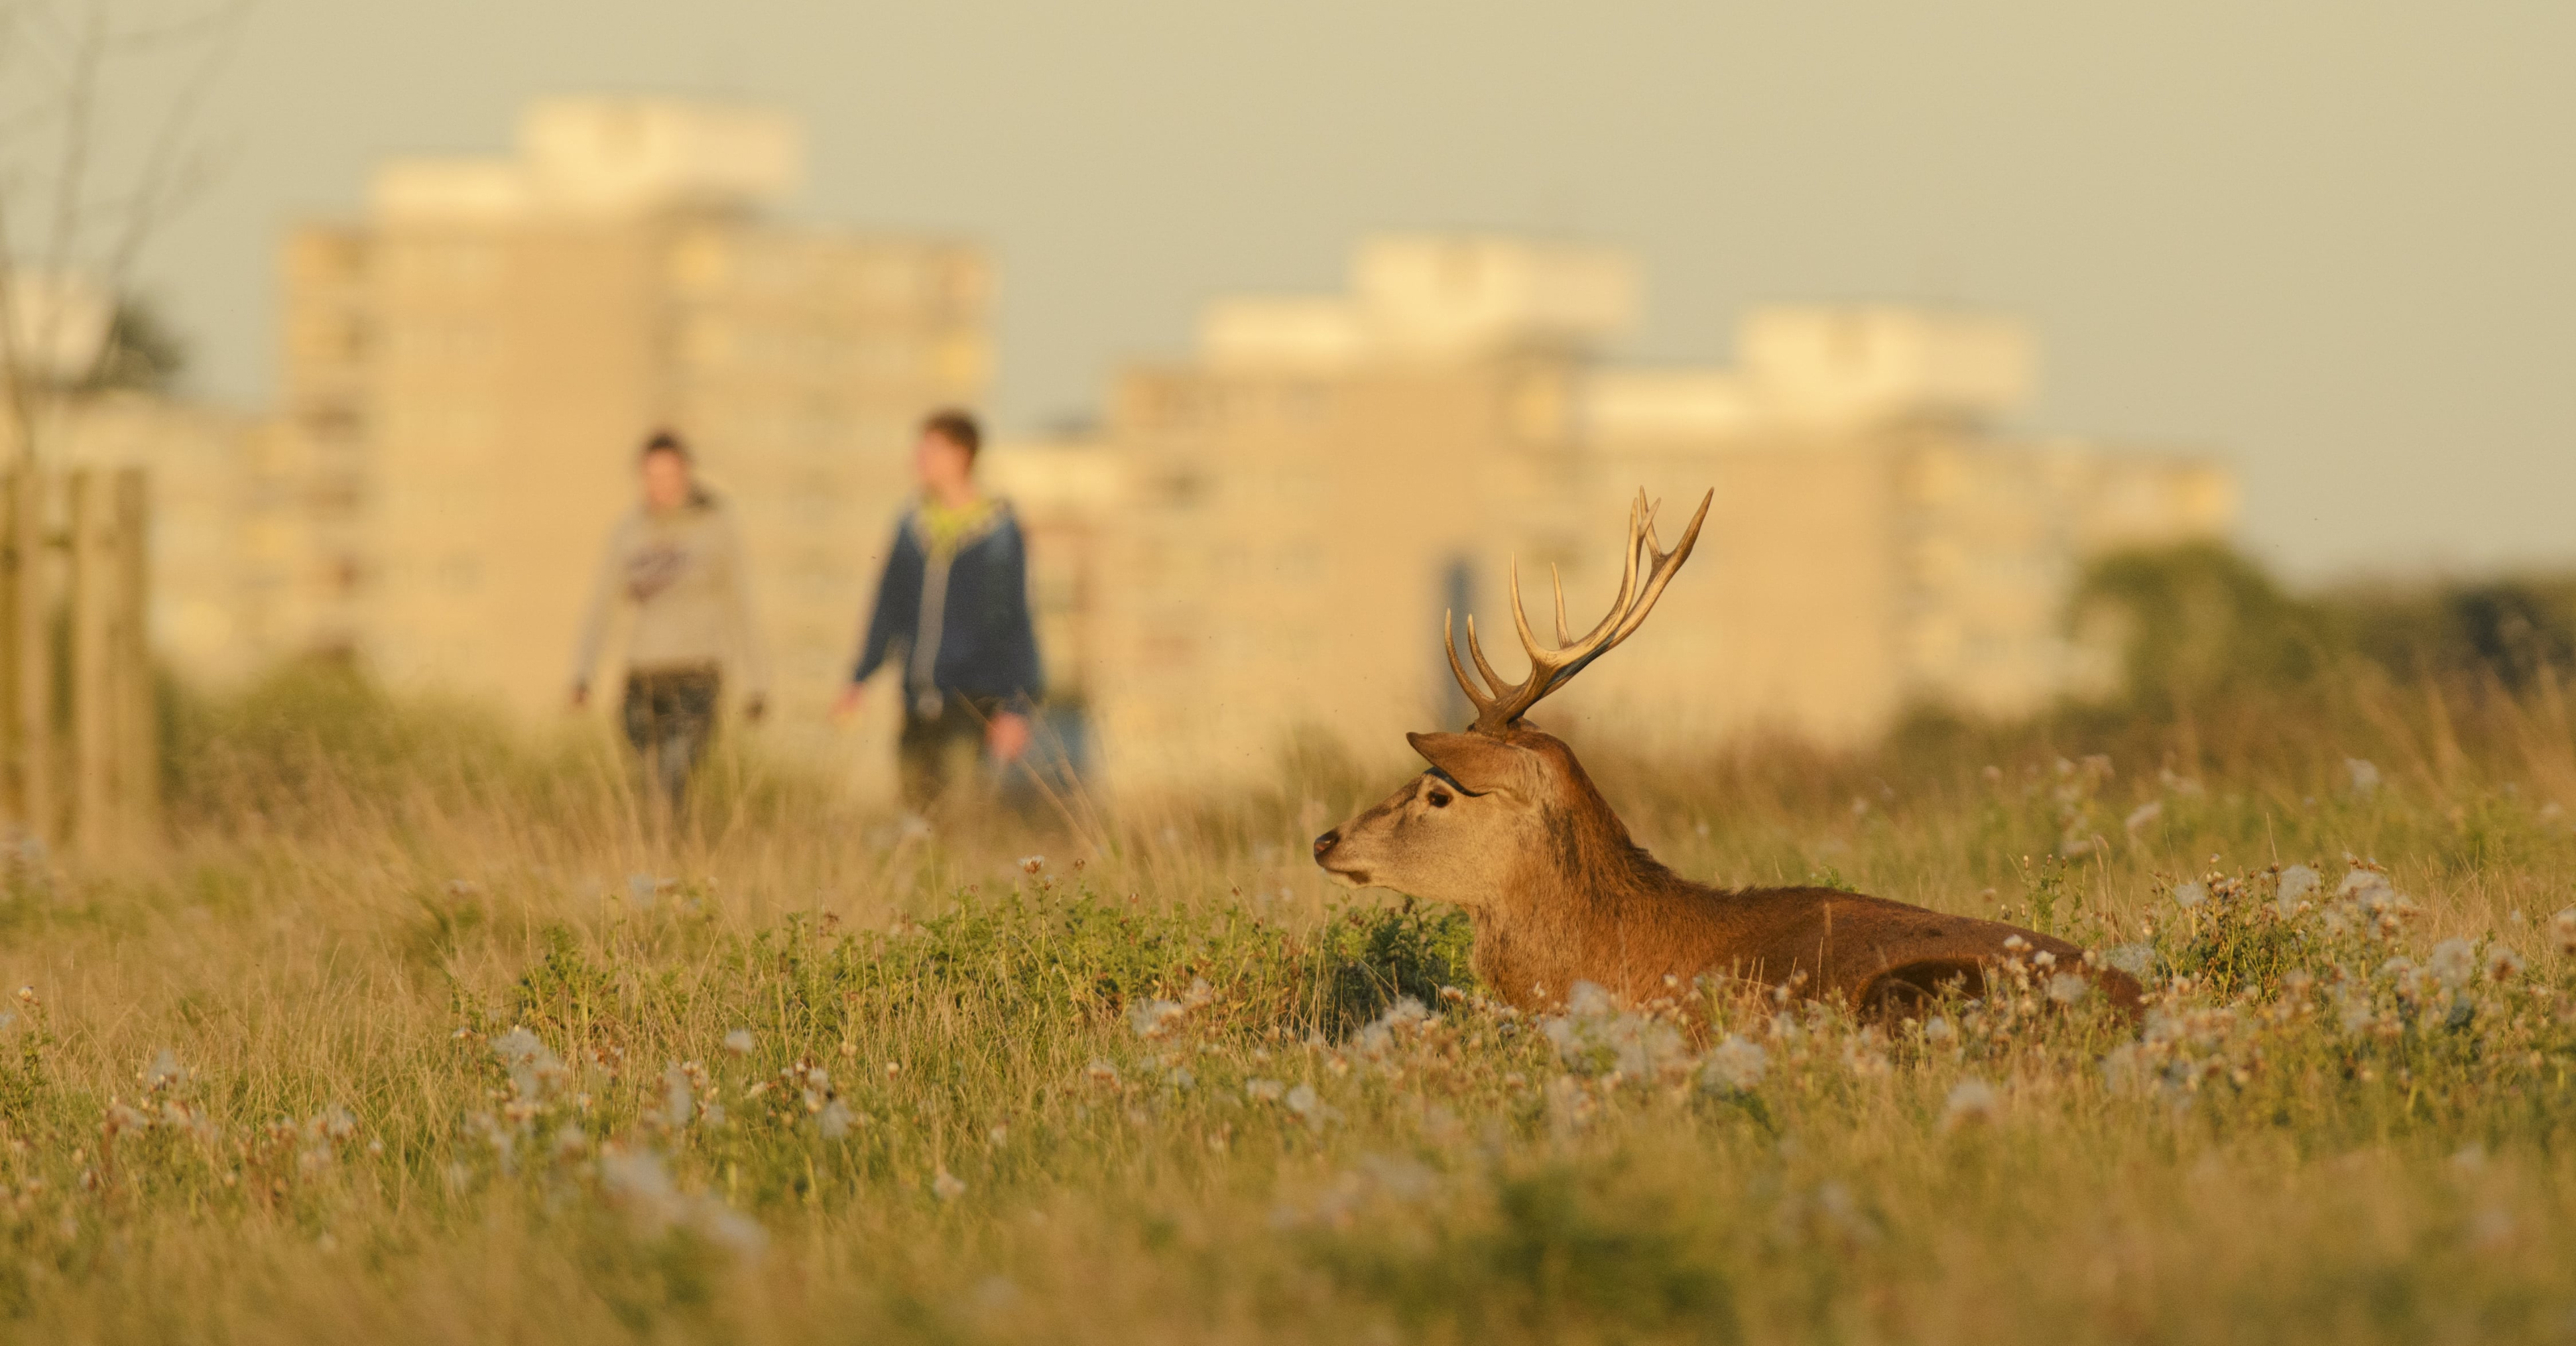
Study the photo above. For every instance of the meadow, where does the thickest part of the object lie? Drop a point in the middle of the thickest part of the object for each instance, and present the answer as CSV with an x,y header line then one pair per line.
x,y
413,1031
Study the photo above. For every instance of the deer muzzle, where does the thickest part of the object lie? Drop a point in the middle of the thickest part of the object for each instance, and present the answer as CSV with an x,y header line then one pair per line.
x,y
1324,848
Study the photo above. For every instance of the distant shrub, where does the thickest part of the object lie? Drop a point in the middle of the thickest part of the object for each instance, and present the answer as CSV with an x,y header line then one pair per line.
x,y
2199,622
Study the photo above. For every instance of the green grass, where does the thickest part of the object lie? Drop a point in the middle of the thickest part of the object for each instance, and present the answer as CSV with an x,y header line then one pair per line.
x,y
457,1051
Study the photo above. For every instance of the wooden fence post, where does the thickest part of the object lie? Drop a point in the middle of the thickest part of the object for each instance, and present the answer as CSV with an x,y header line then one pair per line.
x,y
138,772
93,617
29,714
114,791
13,795
112,748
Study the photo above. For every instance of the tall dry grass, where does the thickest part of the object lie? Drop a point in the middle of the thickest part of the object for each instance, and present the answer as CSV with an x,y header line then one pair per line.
x,y
415,1031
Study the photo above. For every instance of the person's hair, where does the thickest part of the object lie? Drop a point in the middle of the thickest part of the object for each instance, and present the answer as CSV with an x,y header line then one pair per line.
x,y
663,441
958,428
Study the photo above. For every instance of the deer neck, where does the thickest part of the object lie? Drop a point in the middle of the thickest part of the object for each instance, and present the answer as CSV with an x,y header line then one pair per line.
x,y
1580,880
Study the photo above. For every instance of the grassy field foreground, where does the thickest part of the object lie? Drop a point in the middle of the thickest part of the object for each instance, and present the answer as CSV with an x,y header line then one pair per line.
x,y
412,1036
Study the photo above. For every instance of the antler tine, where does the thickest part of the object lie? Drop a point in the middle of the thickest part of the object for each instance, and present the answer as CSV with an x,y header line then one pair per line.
x,y
1562,636
1498,704
1449,641
1662,568
1499,689
1541,656
1548,668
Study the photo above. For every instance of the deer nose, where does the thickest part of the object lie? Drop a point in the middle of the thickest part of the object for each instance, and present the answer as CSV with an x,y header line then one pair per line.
x,y
1327,842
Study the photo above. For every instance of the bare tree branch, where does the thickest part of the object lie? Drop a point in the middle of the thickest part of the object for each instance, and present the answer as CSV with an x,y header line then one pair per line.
x,y
59,82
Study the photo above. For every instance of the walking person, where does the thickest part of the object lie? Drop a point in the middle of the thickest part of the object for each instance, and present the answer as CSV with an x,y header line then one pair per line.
x,y
675,561
952,612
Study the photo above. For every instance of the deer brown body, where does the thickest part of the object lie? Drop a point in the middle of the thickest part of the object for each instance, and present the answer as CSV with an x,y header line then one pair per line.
x,y
1508,826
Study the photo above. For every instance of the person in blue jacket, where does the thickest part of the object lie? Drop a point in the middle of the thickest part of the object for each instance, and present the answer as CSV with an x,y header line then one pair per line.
x,y
952,612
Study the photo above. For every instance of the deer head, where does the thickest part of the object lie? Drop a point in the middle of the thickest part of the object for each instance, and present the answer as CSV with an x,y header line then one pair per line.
x,y
1505,801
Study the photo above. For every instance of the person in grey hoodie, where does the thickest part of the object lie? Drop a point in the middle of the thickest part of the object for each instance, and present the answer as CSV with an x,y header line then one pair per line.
x,y
675,561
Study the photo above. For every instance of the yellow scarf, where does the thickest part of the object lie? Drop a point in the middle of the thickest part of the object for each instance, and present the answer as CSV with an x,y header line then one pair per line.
x,y
945,529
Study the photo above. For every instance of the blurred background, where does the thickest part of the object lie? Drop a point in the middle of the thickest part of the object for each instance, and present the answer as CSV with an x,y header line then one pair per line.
x,y
2044,362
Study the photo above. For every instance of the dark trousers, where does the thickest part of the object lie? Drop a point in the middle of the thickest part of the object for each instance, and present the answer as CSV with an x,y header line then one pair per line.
x,y
670,717
937,749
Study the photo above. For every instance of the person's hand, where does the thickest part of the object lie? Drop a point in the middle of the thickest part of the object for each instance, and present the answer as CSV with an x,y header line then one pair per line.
x,y
1007,736
753,707
846,705
580,695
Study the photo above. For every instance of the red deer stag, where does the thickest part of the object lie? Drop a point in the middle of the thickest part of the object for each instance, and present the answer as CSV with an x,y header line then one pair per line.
x,y
1507,826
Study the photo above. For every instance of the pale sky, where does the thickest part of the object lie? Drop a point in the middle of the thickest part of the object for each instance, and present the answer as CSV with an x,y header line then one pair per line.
x,y
2334,243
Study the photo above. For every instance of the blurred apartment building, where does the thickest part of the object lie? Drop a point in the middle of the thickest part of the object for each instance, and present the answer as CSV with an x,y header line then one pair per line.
x,y
1264,535
470,367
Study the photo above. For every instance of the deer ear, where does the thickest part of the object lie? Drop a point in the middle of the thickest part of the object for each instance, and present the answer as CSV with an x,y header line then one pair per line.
x,y
1479,764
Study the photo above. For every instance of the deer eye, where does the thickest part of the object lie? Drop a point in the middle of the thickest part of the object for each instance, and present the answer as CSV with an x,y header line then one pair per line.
x,y
1439,799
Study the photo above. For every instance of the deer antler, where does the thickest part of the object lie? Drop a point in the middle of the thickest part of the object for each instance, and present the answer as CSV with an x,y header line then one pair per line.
x,y
1499,705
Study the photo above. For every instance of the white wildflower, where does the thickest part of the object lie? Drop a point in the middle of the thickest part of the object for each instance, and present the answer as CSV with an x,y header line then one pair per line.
x,y
1593,1036
1263,1091
535,1071
946,1184
1306,1103
1865,1055
679,1104
2143,814
834,1120
2363,776
1399,1177
2354,1011
2296,882
637,1183
1938,1029
2562,931
1101,1072
1150,1018
2503,964
2135,959
738,1042
1970,1100
1381,1032
1735,1065
2123,1069
2066,988
2454,961
165,1071
2190,893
